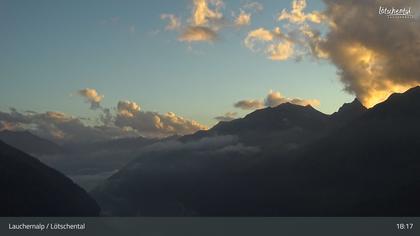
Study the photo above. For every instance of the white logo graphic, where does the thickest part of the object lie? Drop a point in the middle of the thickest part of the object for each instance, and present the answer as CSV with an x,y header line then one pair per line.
x,y
396,13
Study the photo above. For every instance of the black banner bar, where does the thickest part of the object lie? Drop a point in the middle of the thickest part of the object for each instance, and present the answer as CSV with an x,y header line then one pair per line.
x,y
211,226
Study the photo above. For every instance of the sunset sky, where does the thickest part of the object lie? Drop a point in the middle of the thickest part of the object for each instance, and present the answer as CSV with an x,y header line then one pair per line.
x,y
197,59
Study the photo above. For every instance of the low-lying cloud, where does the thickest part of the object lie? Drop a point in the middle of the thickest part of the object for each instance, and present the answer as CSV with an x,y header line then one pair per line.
x,y
59,126
126,120
274,99
209,146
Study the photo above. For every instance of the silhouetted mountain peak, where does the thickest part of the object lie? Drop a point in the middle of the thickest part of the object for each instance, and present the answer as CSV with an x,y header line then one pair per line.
x,y
347,112
354,106
291,106
357,102
284,110
286,105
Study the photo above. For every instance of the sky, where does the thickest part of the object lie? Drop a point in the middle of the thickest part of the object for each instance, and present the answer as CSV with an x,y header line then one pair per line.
x,y
199,66
51,49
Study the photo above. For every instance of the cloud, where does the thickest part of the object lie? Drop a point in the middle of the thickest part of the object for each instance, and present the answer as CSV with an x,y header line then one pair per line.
x,y
203,144
153,124
274,99
280,51
92,97
296,15
277,45
375,56
249,104
295,40
254,6
207,19
202,14
246,12
228,116
261,35
5,125
198,33
127,121
60,127
203,25
207,146
127,108
13,117
174,23
243,19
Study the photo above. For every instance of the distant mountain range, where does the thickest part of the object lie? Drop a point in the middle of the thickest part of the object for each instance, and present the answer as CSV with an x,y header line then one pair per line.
x,y
86,163
111,145
29,143
30,188
284,161
32,144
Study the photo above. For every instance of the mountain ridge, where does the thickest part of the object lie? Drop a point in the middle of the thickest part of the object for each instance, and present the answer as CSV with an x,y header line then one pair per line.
x,y
295,125
346,172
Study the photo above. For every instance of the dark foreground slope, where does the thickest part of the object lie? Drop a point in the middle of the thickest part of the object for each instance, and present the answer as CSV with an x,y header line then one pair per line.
x,y
366,166
30,188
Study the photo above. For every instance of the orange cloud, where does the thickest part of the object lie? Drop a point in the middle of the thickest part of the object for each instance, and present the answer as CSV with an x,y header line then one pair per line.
x,y
375,56
198,33
92,96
